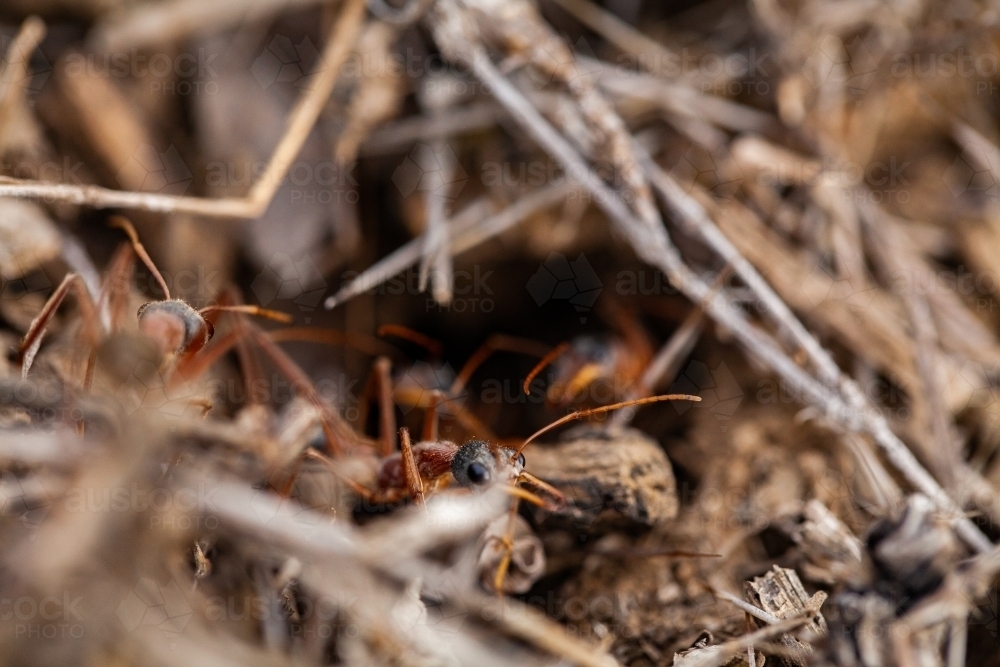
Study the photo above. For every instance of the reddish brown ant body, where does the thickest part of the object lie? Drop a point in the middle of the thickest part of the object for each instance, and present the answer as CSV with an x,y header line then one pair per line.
x,y
434,465
597,369
438,464
434,387
179,333
177,329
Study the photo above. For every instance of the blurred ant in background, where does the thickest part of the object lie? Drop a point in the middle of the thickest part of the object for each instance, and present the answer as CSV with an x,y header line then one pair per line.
x,y
624,365
179,334
435,387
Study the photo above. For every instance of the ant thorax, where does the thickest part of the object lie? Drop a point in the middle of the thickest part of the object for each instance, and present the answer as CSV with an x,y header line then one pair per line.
x,y
433,463
173,325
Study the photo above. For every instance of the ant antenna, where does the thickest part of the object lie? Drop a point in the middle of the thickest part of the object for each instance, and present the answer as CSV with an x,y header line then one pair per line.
x,y
559,350
123,224
496,343
275,315
399,331
605,408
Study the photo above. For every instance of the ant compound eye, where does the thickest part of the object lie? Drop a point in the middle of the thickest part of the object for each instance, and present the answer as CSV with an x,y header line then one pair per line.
x,y
477,473
520,460
473,464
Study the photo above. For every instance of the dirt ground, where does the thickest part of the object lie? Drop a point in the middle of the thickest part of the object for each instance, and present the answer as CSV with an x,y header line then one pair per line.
x,y
286,287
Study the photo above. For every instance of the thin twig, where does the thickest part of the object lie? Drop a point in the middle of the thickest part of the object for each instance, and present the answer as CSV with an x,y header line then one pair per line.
x,y
401,134
18,57
339,45
470,227
436,262
756,612
162,23
712,656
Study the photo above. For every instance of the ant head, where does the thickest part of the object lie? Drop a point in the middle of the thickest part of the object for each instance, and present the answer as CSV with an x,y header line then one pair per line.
x,y
174,326
477,465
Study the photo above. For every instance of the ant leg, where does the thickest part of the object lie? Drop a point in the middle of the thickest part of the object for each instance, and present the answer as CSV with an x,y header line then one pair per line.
x,y
431,418
250,364
666,363
286,489
361,342
365,398
414,483
334,428
508,547
465,419
192,365
496,343
386,408
116,289
376,497
123,224
33,339
556,352
432,346
559,503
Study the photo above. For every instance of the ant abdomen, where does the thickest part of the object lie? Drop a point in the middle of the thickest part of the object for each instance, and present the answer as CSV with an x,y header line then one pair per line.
x,y
174,325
